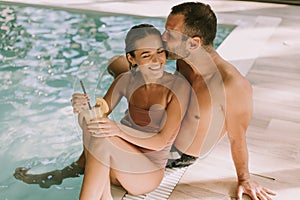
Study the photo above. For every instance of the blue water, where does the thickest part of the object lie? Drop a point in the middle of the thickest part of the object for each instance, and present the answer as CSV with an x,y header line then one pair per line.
x,y
43,54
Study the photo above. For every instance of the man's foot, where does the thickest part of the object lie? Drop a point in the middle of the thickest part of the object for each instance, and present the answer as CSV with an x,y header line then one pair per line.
x,y
184,161
44,180
48,179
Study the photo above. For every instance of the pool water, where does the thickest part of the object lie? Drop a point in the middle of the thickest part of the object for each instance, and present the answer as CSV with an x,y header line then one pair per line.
x,y
43,54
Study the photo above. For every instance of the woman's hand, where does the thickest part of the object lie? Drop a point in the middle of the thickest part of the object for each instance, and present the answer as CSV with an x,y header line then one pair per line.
x,y
103,127
79,102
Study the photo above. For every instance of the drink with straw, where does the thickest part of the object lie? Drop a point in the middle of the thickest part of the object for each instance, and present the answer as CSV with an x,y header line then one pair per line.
x,y
100,110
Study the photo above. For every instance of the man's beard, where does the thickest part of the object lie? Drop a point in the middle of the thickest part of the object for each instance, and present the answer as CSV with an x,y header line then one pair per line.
x,y
179,52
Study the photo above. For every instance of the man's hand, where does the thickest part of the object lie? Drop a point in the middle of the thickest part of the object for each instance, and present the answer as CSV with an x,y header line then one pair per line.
x,y
253,190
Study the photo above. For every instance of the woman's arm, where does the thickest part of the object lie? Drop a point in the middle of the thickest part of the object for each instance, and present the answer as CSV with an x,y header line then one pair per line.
x,y
156,141
116,91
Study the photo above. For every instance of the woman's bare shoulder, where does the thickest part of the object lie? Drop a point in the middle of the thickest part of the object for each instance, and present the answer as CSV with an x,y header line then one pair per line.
x,y
176,79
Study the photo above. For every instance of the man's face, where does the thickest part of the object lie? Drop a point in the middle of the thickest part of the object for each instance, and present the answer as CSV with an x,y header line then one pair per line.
x,y
174,38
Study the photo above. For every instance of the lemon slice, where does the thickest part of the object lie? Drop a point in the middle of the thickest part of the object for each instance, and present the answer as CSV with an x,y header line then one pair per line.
x,y
100,102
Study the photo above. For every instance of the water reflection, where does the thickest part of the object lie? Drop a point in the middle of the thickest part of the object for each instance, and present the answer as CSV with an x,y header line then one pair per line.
x,y
11,44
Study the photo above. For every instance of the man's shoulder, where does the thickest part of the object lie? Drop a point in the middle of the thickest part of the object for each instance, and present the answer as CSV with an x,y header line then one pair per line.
x,y
234,80
231,75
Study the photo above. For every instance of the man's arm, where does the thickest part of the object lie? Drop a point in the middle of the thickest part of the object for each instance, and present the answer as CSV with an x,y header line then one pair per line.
x,y
238,115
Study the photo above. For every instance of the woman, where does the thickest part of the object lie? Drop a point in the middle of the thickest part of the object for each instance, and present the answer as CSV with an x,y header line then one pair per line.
x,y
134,154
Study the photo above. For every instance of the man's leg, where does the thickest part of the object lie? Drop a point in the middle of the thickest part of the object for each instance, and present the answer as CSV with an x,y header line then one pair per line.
x,y
55,177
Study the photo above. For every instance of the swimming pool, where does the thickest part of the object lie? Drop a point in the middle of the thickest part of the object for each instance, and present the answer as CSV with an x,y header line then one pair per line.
x,y
43,54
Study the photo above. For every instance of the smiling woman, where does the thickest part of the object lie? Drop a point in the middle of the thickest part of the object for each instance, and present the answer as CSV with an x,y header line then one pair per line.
x,y
157,98
43,54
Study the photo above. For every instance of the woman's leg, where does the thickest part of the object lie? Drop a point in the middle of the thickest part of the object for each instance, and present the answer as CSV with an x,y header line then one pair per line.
x,y
96,178
123,161
138,183
107,192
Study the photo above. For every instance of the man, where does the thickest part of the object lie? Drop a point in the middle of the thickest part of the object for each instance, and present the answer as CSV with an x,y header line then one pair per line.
x,y
224,96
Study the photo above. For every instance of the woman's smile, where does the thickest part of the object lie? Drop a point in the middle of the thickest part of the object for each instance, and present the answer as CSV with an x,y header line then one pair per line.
x,y
155,67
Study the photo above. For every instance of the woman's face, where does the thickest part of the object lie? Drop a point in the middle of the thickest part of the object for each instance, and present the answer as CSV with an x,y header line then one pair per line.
x,y
150,57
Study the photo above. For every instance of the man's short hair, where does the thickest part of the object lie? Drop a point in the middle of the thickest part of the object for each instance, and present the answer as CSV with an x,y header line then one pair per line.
x,y
199,20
